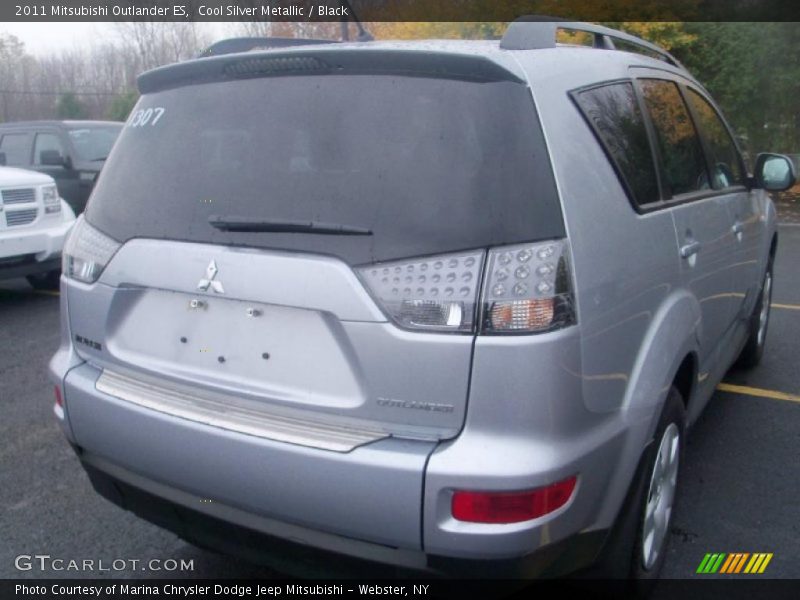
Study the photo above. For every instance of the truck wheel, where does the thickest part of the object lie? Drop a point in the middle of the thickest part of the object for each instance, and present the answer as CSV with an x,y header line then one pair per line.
x,y
45,281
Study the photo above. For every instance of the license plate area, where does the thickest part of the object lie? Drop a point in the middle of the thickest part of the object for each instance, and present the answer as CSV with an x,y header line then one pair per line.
x,y
284,354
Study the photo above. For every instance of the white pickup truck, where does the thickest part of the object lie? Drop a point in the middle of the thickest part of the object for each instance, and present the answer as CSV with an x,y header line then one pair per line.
x,y
34,223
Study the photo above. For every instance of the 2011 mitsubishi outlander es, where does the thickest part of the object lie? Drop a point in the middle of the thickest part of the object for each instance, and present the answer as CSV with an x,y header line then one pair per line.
x,y
441,305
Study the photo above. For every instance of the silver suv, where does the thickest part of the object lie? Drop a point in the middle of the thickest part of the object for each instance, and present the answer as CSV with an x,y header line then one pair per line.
x,y
441,305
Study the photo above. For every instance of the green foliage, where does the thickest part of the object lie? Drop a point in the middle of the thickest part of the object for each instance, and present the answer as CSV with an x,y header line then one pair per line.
x,y
69,107
752,70
121,106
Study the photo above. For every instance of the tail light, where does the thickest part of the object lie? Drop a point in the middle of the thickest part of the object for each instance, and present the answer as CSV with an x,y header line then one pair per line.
x,y
525,289
59,397
87,252
511,507
433,294
528,289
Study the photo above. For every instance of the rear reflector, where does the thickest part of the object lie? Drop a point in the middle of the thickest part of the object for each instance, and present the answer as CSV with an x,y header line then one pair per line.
x,y
59,399
511,507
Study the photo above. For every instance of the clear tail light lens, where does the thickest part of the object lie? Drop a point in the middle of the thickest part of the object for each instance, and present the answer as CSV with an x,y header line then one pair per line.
x,y
434,294
528,289
87,252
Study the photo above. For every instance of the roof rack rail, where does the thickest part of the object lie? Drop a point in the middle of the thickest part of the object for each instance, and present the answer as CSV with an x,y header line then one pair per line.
x,y
245,44
535,32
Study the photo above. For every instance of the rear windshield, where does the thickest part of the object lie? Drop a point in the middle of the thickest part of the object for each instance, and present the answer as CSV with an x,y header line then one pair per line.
x,y
428,165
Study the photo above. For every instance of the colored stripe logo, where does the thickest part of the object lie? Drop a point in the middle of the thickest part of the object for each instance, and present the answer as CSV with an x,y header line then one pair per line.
x,y
734,563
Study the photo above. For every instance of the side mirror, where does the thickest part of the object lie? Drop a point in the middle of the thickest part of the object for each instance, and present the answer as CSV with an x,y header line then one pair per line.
x,y
2,159
774,172
52,158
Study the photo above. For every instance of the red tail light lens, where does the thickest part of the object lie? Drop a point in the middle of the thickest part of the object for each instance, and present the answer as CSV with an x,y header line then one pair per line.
x,y
59,399
511,507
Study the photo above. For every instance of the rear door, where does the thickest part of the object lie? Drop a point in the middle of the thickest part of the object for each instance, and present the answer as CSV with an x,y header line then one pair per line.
x,y
706,242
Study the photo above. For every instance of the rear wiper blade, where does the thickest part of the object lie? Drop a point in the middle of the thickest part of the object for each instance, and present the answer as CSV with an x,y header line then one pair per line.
x,y
255,225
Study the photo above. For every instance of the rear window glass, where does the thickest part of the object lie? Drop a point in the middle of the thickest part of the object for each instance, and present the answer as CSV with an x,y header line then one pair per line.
x,y
428,165
614,114
17,148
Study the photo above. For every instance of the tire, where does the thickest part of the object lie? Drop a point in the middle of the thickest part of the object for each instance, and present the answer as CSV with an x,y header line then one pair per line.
x,y
45,281
753,349
637,546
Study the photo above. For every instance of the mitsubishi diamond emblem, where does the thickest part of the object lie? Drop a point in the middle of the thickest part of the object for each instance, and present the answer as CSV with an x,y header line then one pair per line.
x,y
208,281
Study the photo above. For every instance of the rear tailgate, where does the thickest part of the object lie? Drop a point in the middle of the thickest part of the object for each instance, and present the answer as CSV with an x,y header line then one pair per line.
x,y
295,336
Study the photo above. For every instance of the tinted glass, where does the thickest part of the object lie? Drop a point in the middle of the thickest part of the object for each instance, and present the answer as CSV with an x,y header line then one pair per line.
x,y
17,147
617,120
428,165
727,169
684,167
93,143
45,141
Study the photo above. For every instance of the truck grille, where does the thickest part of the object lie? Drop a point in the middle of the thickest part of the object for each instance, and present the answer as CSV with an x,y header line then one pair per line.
x,y
15,218
24,196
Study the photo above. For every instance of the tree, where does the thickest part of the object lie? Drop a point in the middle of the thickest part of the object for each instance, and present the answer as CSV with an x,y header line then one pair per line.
x,y
12,55
69,107
121,106
749,69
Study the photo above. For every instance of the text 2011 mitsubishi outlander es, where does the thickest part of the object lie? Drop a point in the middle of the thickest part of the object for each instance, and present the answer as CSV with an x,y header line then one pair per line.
x,y
443,305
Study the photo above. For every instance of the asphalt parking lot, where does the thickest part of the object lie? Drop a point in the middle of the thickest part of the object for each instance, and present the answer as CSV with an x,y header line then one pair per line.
x,y
740,484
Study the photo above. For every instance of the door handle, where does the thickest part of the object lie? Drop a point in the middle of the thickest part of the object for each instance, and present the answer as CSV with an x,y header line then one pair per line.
x,y
690,249
738,229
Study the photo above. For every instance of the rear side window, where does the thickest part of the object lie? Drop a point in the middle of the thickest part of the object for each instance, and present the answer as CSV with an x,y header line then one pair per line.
x,y
16,147
683,162
614,114
427,165
727,168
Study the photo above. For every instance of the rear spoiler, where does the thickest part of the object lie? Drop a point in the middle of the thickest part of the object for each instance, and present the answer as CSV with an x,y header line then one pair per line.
x,y
327,60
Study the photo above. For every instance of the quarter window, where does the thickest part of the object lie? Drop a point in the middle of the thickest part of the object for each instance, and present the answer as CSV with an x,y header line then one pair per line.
x,y
683,163
614,114
726,166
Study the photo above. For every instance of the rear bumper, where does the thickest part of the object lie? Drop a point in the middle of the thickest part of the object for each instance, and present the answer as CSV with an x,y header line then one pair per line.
x,y
384,501
371,493
304,552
